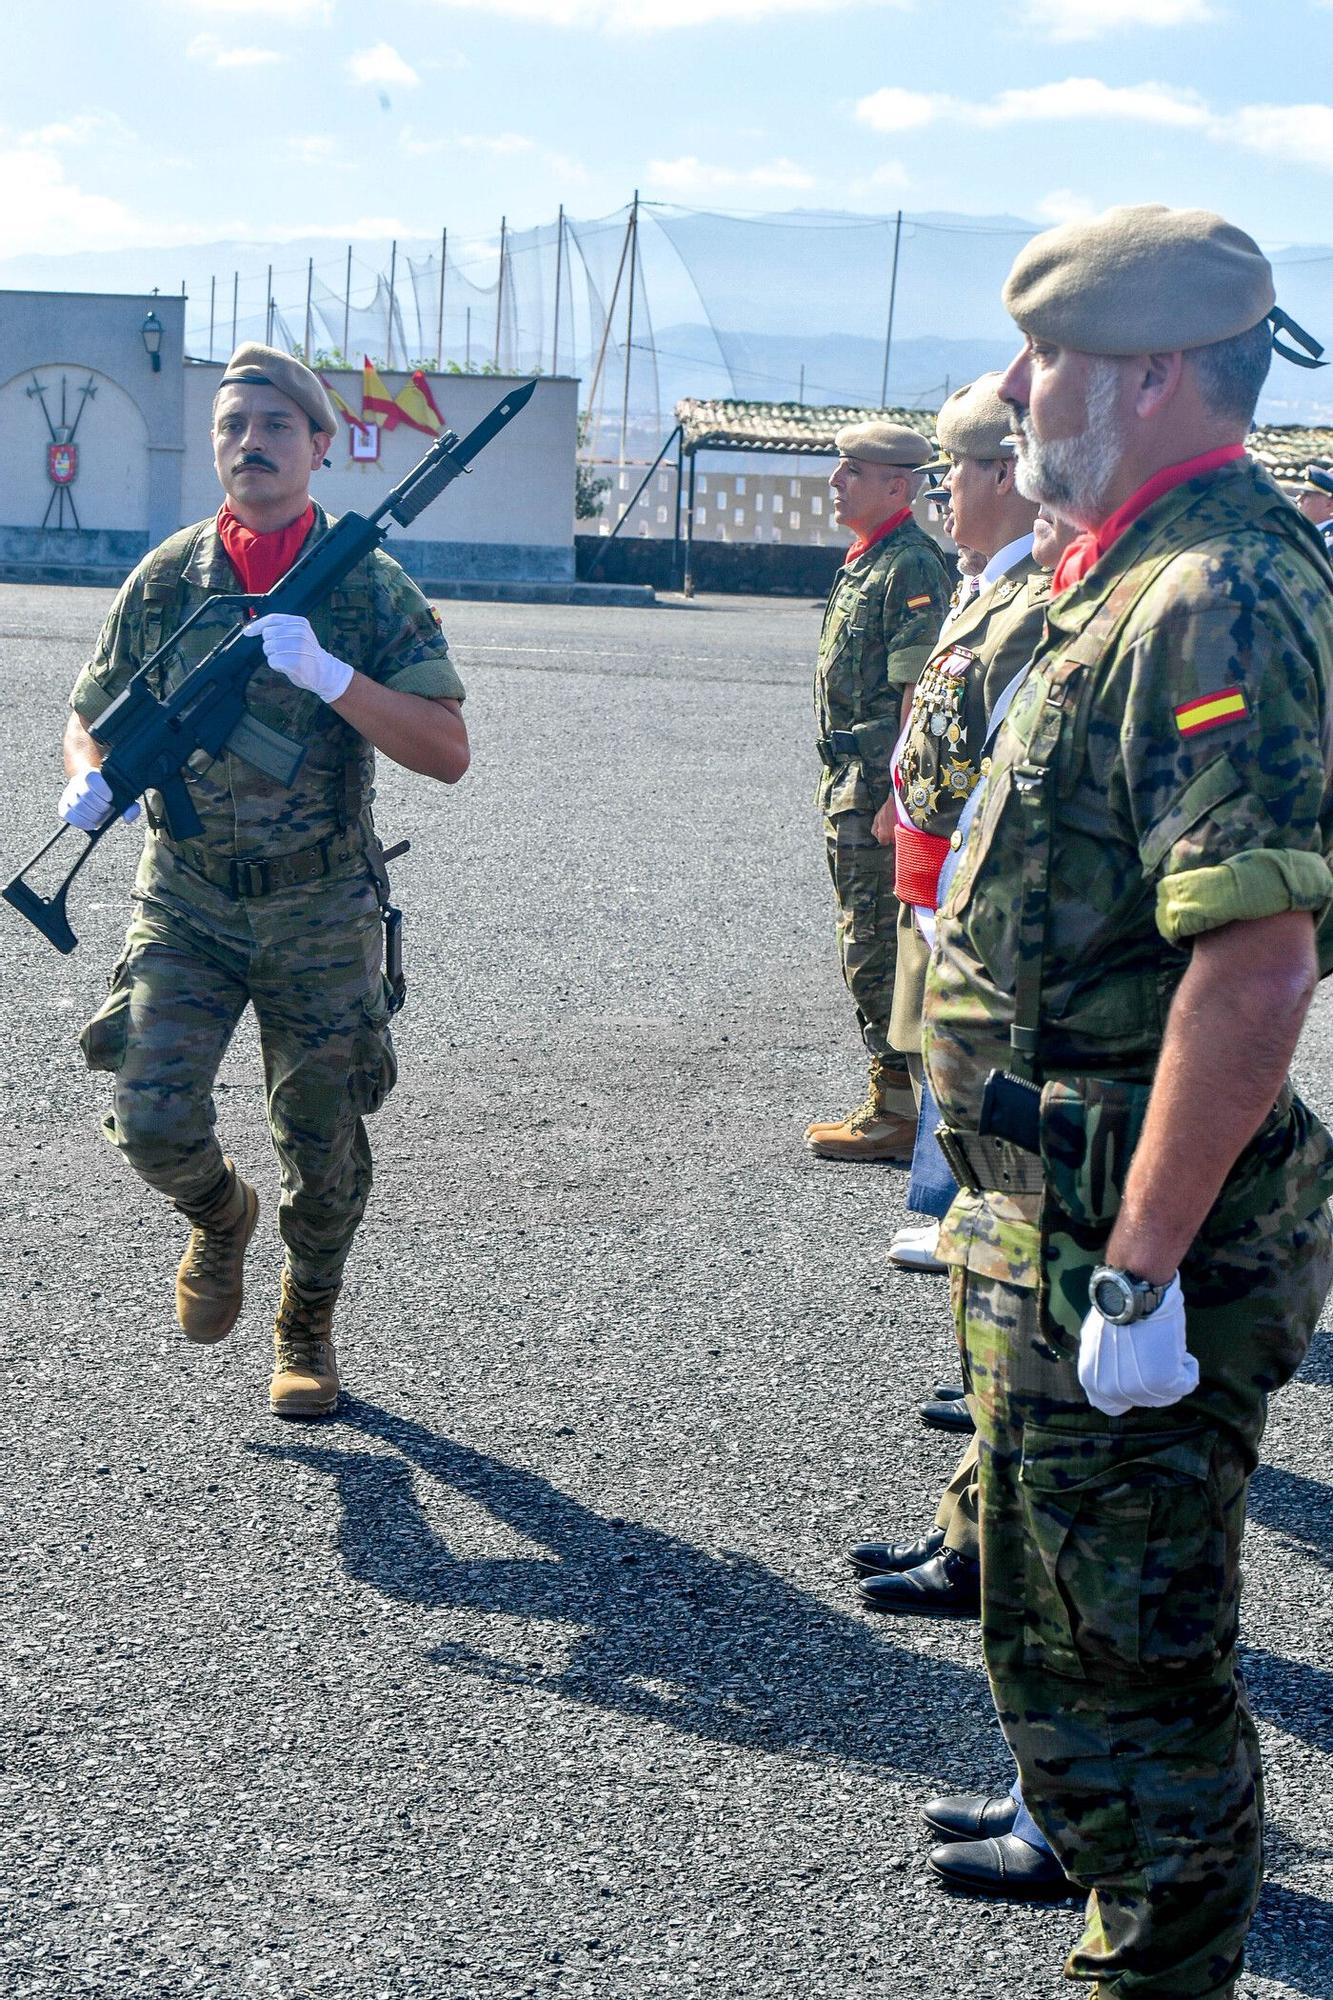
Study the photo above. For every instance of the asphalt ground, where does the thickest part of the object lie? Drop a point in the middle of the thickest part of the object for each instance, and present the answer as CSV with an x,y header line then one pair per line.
x,y
539,1670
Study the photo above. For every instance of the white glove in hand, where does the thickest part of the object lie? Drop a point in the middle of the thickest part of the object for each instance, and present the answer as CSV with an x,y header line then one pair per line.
x,y
1145,1366
86,802
291,648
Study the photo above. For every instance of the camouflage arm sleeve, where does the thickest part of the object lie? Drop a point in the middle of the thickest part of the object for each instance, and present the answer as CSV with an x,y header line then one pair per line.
x,y
911,628
116,657
411,652
1224,772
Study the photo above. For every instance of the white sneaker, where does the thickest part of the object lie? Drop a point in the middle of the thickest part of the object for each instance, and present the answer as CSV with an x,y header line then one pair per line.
x,y
914,1248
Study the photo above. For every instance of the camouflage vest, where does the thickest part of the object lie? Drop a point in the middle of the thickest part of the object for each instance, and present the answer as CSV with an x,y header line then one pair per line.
x,y
347,622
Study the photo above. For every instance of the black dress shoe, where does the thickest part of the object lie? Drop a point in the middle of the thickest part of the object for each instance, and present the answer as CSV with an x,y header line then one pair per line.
x,y
947,1586
1005,1866
948,1392
970,1815
947,1413
887,1558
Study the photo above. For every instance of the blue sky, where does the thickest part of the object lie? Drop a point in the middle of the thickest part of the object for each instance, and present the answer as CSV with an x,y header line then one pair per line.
x,y
187,121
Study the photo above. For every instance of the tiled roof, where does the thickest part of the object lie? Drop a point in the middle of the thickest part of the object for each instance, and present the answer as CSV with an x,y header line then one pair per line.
x,y
1286,449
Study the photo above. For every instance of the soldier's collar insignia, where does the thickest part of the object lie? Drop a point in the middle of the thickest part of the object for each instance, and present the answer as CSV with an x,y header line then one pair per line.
x,y
1211,711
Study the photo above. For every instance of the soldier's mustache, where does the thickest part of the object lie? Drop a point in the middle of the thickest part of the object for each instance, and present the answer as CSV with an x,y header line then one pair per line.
x,y
253,458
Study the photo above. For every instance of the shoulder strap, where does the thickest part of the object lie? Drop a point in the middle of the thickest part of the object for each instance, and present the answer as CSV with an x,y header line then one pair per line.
x,y
161,585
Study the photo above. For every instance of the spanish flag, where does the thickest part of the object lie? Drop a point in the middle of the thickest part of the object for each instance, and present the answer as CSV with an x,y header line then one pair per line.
x,y
377,405
345,410
1211,711
417,406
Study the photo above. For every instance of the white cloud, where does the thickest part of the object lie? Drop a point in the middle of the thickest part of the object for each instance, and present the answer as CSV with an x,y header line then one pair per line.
x,y
81,130
1302,133
208,49
691,176
381,66
1089,20
650,16
312,149
43,207
1078,98
1063,205
891,174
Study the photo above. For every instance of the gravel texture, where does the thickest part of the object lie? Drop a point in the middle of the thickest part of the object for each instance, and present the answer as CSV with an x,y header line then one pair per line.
x,y
539,1671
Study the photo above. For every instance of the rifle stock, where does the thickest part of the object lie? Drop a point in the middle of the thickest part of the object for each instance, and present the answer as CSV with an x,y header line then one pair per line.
x,y
147,741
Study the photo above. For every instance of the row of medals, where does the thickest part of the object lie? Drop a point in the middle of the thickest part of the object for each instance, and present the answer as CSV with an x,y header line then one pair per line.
x,y
939,704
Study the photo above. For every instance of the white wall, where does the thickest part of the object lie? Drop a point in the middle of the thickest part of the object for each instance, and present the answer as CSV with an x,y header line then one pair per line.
x,y
110,487
520,492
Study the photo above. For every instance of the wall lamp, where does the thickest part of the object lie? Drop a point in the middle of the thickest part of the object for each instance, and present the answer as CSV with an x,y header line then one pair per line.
x,y
151,334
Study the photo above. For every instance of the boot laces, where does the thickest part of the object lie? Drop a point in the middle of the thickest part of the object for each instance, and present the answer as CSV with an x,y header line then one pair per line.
x,y
301,1333
211,1249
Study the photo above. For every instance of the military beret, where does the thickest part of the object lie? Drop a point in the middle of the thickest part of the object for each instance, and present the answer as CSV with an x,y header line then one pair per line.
x,y
974,423
253,362
1316,479
883,444
1142,280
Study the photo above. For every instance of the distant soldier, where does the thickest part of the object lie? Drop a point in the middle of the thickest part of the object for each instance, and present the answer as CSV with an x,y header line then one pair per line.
x,y
882,619
1314,497
1141,1246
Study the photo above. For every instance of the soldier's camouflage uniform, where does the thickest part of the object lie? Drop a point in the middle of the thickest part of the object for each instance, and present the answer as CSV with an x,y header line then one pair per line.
x,y
880,626
1110,1547
210,933
982,647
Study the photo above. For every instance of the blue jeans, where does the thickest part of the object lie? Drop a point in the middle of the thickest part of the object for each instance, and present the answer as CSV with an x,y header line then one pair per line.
x,y
932,1187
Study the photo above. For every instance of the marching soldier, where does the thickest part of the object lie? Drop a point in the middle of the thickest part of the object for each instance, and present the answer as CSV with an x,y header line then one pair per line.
x,y
276,904
1141,1246
883,614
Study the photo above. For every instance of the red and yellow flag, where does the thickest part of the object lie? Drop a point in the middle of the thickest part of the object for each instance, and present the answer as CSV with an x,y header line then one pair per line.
x,y
1210,711
345,410
377,405
418,406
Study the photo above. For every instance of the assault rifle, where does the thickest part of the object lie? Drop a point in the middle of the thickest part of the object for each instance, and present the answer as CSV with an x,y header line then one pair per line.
x,y
147,742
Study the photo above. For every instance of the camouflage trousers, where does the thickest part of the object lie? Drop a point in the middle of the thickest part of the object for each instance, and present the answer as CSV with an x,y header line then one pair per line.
x,y
1110,1586
862,876
308,961
958,1511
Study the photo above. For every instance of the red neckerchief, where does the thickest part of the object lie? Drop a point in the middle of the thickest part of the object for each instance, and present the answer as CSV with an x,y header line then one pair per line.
x,y
1092,544
865,542
259,560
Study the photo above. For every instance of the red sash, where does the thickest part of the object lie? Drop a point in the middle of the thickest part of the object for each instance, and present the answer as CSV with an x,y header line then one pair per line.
x,y
917,860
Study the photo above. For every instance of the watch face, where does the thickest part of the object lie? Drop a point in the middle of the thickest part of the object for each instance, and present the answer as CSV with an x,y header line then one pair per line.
x,y
1112,1297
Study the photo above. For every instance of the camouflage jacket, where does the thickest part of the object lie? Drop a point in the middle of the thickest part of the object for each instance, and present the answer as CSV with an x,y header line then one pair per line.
x,y
1181,703
977,656
377,620
880,626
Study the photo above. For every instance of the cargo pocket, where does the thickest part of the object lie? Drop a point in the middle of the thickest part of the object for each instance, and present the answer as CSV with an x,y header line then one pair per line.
x,y
374,1063
103,1041
1125,1556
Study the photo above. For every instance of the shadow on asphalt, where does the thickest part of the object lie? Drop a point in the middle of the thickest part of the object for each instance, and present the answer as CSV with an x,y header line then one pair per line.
x,y
717,1647
1296,1506
1291,1941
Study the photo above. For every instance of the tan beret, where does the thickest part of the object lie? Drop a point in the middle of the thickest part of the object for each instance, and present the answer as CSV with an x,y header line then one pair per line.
x,y
883,444
1142,280
974,423
253,362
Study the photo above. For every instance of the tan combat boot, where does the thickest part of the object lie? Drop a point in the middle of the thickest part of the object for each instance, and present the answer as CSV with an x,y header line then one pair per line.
x,y
883,1128
305,1366
210,1276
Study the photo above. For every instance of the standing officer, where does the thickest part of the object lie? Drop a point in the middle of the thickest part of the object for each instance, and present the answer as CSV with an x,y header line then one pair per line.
x,y
883,614
1314,497
277,903
1140,1252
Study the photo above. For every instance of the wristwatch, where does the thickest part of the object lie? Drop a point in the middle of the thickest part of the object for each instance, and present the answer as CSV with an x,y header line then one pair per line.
x,y
1122,1298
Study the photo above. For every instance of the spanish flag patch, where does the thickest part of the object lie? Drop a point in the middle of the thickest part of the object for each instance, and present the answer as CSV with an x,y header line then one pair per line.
x,y
1211,711
919,603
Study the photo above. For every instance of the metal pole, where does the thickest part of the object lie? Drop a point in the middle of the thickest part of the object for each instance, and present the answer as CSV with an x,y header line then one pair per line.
x,y
675,533
800,393
268,308
347,306
439,323
606,325
467,357
499,295
559,262
212,297
235,295
309,301
893,293
633,502
629,317
687,582
393,274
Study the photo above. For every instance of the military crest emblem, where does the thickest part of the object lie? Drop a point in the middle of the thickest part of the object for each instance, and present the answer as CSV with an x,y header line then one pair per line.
x,y
62,462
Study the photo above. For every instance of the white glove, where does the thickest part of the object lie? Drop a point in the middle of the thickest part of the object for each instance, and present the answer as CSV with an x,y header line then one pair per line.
x,y
86,802
1145,1366
291,648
